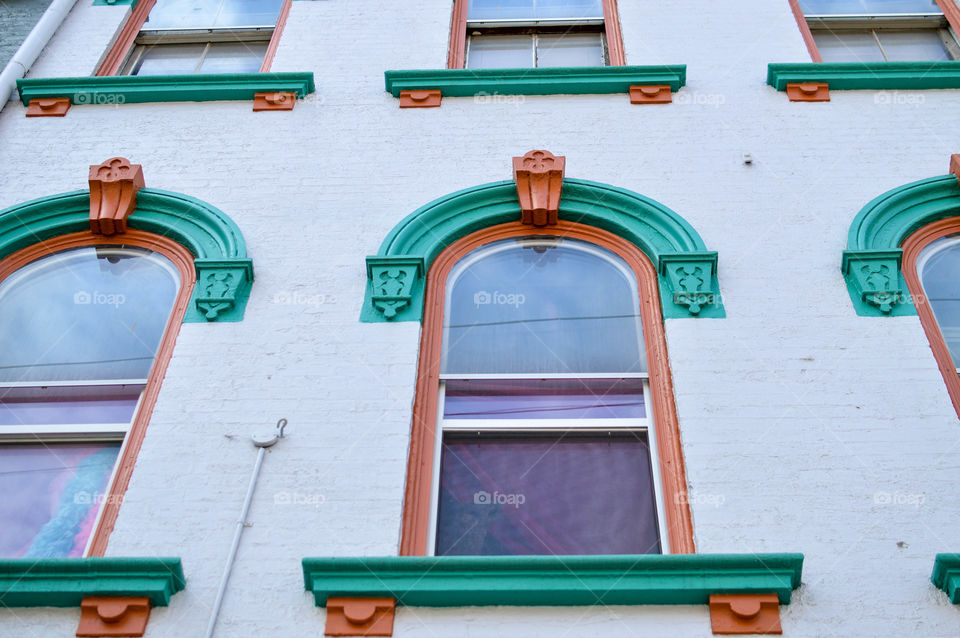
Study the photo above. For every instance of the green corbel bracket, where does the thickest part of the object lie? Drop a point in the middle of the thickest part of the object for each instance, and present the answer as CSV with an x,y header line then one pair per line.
x,y
689,282
946,575
392,283
222,290
875,282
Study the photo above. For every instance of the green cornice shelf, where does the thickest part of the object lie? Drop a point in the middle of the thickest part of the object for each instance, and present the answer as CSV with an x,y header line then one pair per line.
x,y
224,273
867,75
871,264
448,581
124,89
946,575
115,3
538,81
64,582
687,270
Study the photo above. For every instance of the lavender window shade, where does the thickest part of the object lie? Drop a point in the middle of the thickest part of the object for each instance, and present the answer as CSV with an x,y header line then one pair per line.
x,y
554,494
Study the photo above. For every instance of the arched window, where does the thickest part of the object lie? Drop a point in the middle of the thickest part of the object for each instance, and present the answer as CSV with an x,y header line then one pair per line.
x,y
82,321
543,390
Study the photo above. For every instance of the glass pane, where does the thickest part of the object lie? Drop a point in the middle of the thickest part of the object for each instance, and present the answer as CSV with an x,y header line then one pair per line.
x,y
545,305
912,46
558,494
169,59
85,313
51,496
570,49
70,404
197,14
940,276
533,9
544,399
500,52
241,57
848,46
874,7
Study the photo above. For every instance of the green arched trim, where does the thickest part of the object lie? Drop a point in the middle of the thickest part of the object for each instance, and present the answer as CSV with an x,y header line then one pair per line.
x,y
872,262
224,273
687,271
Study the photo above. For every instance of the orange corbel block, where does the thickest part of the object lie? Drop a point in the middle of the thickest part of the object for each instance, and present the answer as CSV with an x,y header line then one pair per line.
x,y
113,616
360,616
113,194
955,165
539,179
420,99
651,94
274,101
745,614
48,107
808,92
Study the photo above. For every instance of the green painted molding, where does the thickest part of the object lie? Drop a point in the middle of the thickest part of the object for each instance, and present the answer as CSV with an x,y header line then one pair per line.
x,y
115,3
537,81
129,89
224,273
64,582
946,575
688,272
907,76
871,265
460,581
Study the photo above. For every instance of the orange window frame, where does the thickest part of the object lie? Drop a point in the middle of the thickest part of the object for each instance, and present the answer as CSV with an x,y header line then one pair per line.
x,y
183,261
456,54
949,7
912,247
417,498
118,53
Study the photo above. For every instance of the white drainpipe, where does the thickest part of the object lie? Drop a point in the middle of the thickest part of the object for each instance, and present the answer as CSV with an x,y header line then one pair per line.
x,y
30,50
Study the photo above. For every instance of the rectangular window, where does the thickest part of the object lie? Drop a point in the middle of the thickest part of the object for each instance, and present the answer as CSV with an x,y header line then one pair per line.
x,y
879,30
535,33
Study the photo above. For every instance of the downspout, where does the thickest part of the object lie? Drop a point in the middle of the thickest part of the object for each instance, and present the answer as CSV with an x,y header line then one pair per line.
x,y
30,50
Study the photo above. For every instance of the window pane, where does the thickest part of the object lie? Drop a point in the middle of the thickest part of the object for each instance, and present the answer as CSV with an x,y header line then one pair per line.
x,y
85,313
544,399
848,46
833,7
570,49
195,14
169,59
71,404
559,494
51,496
911,46
533,9
241,57
545,305
500,52
940,275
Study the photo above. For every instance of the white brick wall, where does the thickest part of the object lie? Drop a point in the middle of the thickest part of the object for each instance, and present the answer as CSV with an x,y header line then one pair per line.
x,y
794,410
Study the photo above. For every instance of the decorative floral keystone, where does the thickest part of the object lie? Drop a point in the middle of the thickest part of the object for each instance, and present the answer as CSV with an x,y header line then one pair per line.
x,y
691,278
539,178
393,280
875,276
113,194
222,285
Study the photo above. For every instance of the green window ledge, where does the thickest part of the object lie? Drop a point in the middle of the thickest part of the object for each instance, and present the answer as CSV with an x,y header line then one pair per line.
x,y
867,75
871,264
112,3
946,575
224,273
687,270
538,81
446,581
124,89
64,582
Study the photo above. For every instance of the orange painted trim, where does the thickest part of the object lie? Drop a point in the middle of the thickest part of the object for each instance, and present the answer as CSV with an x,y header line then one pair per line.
x,y
651,94
952,13
275,38
283,101
417,498
808,91
121,47
457,50
745,614
360,616
805,31
912,248
48,107
183,261
424,99
611,27
107,616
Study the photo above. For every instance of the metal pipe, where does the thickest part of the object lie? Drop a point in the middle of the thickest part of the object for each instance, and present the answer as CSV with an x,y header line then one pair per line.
x,y
262,443
30,50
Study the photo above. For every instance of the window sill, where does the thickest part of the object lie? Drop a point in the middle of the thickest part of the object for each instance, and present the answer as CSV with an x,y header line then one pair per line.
x,y
123,89
540,81
64,582
430,581
867,75
946,575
